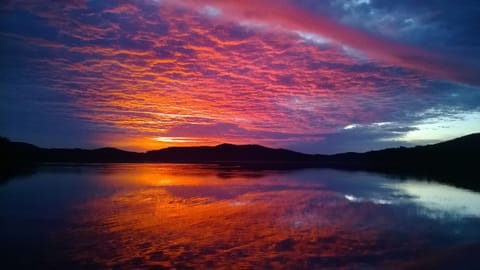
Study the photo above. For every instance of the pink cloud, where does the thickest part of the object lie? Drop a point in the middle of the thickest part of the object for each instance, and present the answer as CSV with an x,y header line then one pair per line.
x,y
123,8
289,16
209,81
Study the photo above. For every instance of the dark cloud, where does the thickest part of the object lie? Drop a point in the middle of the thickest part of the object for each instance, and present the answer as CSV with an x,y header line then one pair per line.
x,y
232,132
450,28
441,24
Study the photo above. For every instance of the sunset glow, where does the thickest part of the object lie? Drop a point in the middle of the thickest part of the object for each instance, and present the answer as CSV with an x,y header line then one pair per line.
x,y
239,134
143,75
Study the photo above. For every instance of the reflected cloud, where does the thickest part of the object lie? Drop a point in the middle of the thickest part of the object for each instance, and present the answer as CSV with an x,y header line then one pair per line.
x,y
442,198
189,216
375,201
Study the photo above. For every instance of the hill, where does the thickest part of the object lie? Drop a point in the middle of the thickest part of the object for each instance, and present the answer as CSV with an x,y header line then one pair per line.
x,y
458,151
227,153
455,158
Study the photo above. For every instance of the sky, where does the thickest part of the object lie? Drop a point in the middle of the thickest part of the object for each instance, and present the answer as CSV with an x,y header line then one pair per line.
x,y
312,76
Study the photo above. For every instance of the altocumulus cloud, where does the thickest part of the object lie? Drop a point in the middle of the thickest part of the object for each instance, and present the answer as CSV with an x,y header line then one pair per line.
x,y
284,73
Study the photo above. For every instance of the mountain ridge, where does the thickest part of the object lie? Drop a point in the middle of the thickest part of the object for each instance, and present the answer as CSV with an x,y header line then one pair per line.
x,y
456,158
465,144
456,161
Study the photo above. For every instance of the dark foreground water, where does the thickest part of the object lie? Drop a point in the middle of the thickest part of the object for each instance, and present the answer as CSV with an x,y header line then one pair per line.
x,y
135,216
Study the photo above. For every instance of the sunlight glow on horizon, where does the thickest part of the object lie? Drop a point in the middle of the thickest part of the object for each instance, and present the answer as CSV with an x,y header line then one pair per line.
x,y
442,128
177,139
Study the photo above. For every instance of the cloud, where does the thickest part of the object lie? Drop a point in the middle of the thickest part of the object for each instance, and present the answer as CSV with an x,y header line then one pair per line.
x,y
167,71
233,133
294,18
358,138
123,8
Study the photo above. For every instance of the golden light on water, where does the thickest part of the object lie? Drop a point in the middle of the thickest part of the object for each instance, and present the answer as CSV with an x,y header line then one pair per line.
x,y
181,216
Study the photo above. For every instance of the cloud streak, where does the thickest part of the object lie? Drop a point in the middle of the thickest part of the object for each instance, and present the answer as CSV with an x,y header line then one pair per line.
x,y
292,17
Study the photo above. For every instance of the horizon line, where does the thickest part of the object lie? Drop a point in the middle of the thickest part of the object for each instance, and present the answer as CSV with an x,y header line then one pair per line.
x,y
230,144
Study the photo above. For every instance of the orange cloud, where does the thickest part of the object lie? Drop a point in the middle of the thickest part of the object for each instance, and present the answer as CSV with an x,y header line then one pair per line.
x,y
179,68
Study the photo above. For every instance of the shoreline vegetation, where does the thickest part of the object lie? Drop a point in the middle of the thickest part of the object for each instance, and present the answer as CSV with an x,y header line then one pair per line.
x,y
455,162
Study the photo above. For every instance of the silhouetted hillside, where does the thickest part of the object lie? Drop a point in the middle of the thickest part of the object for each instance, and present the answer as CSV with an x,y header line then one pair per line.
x,y
16,158
456,159
458,153
227,152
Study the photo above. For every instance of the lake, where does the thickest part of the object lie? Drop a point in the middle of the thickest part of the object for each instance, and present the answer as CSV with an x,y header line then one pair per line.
x,y
181,216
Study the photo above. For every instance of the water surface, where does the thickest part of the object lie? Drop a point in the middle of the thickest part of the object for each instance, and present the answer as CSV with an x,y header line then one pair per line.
x,y
168,216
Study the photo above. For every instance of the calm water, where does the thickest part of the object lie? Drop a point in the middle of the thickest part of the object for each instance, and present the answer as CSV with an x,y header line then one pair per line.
x,y
205,217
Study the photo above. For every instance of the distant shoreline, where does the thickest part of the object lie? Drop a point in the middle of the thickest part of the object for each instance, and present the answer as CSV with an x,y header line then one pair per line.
x,y
455,161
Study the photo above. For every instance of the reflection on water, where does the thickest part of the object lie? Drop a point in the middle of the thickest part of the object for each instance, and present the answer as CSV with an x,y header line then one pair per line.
x,y
205,217
442,198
